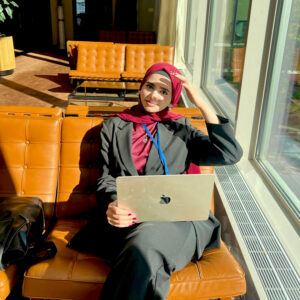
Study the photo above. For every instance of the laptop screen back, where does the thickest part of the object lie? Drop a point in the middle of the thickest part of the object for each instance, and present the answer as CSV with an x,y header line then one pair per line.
x,y
166,198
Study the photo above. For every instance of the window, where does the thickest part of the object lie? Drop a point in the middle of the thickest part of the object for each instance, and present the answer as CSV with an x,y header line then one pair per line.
x,y
190,34
80,11
278,149
225,52
80,7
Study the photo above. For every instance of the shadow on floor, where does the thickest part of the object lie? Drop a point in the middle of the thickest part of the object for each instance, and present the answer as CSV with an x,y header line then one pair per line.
x,y
33,93
62,79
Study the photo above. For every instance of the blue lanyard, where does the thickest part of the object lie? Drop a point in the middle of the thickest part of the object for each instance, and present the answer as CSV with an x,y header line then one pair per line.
x,y
158,147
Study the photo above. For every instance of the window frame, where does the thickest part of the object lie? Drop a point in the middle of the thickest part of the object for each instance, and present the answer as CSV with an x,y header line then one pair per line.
x,y
285,203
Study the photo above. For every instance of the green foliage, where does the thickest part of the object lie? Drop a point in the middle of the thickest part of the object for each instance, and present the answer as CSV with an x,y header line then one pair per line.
x,y
6,9
294,24
296,93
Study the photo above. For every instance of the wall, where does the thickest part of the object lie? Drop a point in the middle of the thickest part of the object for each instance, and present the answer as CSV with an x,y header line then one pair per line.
x,y
147,15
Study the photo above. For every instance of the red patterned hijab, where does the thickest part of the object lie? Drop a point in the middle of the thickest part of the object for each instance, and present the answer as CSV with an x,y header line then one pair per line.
x,y
137,114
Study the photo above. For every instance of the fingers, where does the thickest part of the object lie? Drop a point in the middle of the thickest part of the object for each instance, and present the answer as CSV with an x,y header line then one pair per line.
x,y
184,81
191,91
182,78
120,216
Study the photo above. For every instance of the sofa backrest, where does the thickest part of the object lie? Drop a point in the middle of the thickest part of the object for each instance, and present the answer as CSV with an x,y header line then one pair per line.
x,y
101,57
79,165
29,152
72,51
140,57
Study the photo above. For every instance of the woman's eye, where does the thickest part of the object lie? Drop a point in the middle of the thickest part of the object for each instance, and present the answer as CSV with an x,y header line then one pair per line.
x,y
164,92
149,86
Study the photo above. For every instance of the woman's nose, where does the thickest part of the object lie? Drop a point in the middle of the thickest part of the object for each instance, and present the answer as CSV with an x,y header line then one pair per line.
x,y
155,95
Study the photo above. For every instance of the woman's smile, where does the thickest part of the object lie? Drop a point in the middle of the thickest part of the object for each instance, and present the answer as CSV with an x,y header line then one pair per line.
x,y
151,102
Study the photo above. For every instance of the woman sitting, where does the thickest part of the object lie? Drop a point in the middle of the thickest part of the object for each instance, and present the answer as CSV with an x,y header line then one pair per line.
x,y
144,255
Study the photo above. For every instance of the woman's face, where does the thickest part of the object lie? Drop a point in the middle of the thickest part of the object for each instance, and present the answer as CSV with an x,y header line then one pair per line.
x,y
156,93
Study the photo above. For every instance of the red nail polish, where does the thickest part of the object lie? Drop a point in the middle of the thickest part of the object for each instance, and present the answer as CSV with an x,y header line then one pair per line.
x,y
129,214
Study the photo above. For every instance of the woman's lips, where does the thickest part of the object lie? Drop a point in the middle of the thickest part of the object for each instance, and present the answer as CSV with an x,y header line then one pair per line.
x,y
151,103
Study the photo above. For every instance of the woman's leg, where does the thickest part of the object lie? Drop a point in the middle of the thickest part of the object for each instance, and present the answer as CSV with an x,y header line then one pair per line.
x,y
150,253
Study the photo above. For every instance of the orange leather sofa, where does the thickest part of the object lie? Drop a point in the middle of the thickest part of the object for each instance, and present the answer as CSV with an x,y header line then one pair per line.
x,y
45,152
114,62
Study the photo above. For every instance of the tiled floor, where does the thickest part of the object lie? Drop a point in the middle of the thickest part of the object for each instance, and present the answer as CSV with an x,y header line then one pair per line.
x,y
38,80
41,79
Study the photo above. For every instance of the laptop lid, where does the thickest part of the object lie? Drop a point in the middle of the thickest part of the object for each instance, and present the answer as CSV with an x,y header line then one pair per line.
x,y
166,198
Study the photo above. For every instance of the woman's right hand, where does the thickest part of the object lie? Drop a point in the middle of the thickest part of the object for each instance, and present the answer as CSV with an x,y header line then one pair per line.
x,y
119,216
192,93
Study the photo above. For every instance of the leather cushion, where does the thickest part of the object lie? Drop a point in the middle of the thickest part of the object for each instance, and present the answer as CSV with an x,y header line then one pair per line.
x,y
70,274
74,275
140,57
79,165
8,278
104,58
72,51
26,168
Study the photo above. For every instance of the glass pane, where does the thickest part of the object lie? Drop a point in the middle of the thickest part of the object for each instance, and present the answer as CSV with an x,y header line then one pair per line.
x,y
81,19
190,35
279,144
225,52
80,7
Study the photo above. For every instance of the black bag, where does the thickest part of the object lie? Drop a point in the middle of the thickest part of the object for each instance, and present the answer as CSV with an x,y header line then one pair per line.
x,y
22,225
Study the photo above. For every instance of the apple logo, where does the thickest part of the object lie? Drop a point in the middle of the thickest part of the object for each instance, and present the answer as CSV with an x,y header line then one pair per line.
x,y
165,199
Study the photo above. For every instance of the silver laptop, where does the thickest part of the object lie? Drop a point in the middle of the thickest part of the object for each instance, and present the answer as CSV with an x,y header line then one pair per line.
x,y
167,198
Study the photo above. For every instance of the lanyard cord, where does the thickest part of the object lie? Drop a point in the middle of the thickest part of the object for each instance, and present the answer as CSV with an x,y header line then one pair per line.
x,y
158,147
